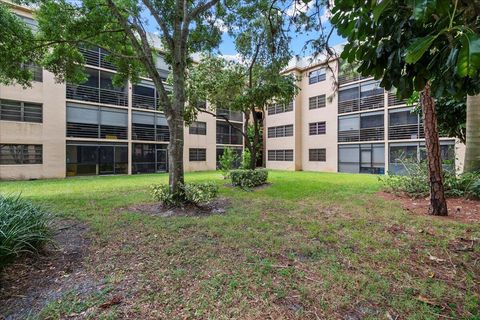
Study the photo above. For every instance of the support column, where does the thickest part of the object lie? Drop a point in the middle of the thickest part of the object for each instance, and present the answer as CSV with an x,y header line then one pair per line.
x,y
129,92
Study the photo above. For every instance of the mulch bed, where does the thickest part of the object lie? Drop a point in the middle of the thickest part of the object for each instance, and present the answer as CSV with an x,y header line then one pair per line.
x,y
459,209
27,285
218,206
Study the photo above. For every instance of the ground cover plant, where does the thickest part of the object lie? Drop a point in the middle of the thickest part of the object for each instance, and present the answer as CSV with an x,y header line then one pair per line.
x,y
24,228
312,245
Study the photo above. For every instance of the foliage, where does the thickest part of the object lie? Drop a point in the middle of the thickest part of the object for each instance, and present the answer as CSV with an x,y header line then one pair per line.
x,y
248,178
246,159
17,49
24,228
475,189
452,117
408,43
227,162
415,182
194,193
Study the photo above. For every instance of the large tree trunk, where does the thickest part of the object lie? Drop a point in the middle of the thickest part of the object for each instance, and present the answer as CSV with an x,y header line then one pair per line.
x,y
438,204
472,152
176,128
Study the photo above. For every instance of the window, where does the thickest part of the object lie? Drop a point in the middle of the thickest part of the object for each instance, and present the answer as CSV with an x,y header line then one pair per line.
x,y
96,122
364,96
279,108
21,154
230,114
149,158
149,126
317,155
317,76
31,23
280,131
144,96
98,88
226,134
197,154
404,155
280,155
96,158
361,158
37,71
198,127
317,102
361,127
317,128
11,110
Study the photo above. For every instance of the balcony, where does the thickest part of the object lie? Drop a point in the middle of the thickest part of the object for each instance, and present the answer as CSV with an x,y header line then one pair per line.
x,y
406,131
144,102
230,115
394,101
86,130
96,58
91,94
365,134
347,78
223,138
149,133
360,104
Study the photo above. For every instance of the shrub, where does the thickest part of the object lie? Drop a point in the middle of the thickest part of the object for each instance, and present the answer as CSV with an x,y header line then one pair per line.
x,y
474,189
246,157
415,182
248,178
227,161
193,193
24,228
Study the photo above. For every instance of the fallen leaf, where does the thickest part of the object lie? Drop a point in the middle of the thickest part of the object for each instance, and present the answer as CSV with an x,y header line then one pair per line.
x,y
433,258
114,301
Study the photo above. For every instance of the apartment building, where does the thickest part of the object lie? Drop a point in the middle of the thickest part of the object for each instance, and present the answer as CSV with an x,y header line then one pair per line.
x,y
56,130
343,122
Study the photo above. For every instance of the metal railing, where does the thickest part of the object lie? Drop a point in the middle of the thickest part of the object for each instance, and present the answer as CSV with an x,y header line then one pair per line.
x,y
359,104
91,94
87,130
94,57
406,131
394,101
144,102
366,134
225,138
347,78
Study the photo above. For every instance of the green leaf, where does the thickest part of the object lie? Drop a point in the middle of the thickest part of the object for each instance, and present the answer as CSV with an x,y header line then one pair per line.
x,y
418,48
468,63
422,8
379,8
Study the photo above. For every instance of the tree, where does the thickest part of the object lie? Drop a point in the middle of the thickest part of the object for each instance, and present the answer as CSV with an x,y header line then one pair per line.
x,y
241,87
227,162
452,117
429,46
120,28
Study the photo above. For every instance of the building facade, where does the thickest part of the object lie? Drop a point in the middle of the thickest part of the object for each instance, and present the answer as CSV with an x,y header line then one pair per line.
x,y
56,130
343,122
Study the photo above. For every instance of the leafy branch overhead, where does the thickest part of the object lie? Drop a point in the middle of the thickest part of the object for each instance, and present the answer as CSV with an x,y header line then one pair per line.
x,y
406,52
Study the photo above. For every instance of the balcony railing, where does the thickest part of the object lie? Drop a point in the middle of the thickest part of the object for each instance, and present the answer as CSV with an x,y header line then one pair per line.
x,y
90,94
148,133
394,101
406,131
366,134
359,104
94,57
224,138
230,115
144,102
347,78
86,130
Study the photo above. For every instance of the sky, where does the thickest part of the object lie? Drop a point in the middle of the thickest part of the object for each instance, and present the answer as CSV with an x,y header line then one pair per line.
x,y
227,46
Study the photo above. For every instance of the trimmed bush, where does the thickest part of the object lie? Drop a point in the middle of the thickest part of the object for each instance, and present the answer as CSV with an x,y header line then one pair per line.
x,y
24,228
194,193
248,178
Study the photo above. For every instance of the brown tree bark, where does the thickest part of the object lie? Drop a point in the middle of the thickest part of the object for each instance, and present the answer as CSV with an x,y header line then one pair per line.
x,y
438,204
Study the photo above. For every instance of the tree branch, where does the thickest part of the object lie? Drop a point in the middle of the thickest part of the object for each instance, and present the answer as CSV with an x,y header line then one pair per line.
x,y
161,23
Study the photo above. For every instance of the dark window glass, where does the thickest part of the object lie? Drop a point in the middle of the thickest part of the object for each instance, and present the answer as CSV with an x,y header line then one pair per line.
x,y
317,155
21,154
317,102
198,127
196,154
316,128
21,111
317,76
280,155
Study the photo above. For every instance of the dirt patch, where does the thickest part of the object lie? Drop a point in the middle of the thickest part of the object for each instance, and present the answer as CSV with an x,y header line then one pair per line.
x,y
459,209
32,281
218,206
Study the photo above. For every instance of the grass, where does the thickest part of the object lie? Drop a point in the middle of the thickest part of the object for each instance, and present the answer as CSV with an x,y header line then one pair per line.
x,y
311,245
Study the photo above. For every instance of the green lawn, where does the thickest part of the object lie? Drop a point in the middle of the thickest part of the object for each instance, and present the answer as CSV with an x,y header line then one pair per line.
x,y
311,245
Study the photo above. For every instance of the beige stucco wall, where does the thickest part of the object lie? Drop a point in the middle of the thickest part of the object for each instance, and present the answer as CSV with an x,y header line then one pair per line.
x,y
207,141
50,133
327,114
